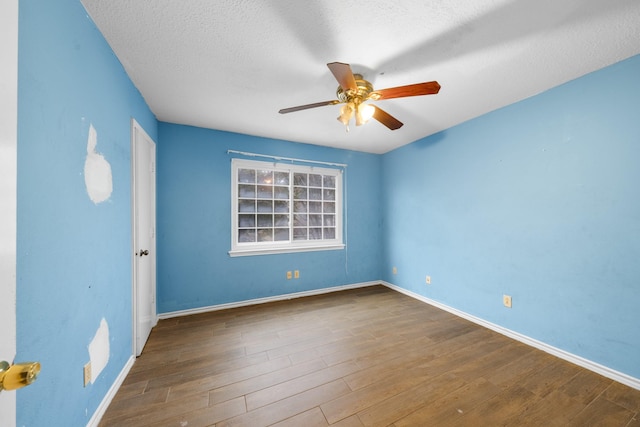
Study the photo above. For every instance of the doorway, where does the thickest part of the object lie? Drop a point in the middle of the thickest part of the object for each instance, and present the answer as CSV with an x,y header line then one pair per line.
x,y
143,194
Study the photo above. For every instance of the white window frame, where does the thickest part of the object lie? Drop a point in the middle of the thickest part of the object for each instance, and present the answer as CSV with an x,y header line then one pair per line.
x,y
277,247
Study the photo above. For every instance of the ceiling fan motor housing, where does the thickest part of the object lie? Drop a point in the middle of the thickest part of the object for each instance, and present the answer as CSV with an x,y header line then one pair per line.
x,y
362,93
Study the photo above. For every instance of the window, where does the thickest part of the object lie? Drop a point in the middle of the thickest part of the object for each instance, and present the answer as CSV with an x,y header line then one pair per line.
x,y
280,208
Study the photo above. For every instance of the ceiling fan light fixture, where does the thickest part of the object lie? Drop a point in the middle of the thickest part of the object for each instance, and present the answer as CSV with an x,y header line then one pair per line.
x,y
364,113
346,113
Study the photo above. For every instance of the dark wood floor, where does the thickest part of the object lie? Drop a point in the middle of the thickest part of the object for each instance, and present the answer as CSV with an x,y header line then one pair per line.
x,y
364,357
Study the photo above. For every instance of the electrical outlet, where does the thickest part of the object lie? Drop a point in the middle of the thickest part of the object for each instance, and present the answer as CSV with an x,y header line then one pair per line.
x,y
428,280
394,270
289,275
87,373
296,274
506,300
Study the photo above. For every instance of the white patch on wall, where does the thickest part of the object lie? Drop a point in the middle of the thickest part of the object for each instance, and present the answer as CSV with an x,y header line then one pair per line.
x,y
97,171
99,350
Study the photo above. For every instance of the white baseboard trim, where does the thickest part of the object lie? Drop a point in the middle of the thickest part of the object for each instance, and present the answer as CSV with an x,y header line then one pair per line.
x,y
569,357
102,408
283,297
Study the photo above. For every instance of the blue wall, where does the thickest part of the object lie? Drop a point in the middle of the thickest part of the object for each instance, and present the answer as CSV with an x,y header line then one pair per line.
x,y
74,257
539,200
194,223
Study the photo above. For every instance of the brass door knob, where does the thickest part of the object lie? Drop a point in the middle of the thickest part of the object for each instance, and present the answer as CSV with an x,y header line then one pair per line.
x,y
18,375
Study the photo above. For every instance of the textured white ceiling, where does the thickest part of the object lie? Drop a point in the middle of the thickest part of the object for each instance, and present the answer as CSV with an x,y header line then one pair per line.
x,y
232,64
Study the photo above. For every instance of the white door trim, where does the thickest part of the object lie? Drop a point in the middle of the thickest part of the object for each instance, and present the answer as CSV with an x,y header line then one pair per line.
x,y
8,194
135,130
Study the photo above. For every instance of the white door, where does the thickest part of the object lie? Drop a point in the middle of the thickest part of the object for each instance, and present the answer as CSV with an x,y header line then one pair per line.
x,y
143,155
8,194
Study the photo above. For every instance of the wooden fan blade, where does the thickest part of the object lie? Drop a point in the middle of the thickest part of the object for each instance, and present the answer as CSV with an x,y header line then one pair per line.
x,y
426,88
386,119
343,74
306,107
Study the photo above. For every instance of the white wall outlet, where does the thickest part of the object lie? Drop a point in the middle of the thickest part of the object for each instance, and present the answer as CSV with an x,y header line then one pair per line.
x,y
394,270
289,275
428,280
296,274
506,300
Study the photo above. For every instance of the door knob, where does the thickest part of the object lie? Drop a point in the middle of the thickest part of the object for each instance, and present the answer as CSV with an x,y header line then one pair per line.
x,y
18,375
144,252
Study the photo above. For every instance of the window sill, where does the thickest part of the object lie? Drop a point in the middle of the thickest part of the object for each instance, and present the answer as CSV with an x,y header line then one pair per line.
x,y
283,250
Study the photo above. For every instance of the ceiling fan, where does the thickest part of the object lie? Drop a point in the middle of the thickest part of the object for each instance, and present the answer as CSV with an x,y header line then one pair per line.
x,y
354,90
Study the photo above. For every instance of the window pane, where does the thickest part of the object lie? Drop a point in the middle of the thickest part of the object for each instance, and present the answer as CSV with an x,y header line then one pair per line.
x,y
281,193
299,220
281,220
315,233
329,220
315,194
265,192
246,206
245,220
299,234
300,207
265,220
329,233
329,207
265,177
246,175
315,220
265,235
315,207
329,194
265,206
315,180
247,191
245,236
281,207
300,179
329,181
300,193
281,234
281,178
